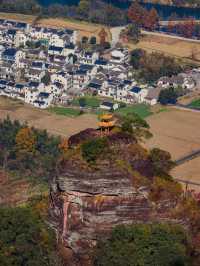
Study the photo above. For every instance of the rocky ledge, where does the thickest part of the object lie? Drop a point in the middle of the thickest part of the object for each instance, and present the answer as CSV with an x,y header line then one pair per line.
x,y
87,202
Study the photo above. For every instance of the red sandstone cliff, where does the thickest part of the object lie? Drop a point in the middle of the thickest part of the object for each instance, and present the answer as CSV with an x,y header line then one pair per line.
x,y
87,202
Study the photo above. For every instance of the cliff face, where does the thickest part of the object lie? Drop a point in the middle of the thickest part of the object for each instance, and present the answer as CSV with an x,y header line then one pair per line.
x,y
86,203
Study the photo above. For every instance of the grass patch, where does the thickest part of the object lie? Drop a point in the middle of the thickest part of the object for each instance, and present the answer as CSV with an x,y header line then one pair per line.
x,y
90,101
195,104
142,110
65,111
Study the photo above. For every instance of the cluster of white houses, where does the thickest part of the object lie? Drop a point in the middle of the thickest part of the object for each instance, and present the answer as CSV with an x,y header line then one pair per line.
x,y
29,55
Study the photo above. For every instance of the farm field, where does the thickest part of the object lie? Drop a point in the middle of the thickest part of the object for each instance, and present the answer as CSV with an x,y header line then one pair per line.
x,y
169,46
16,16
89,101
141,109
70,112
195,104
55,124
176,131
189,171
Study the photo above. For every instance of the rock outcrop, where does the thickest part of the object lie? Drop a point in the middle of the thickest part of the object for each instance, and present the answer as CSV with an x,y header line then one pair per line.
x,y
87,202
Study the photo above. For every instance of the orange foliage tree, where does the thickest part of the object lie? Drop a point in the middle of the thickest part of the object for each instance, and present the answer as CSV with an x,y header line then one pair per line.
x,y
188,28
63,146
25,140
102,36
137,14
151,20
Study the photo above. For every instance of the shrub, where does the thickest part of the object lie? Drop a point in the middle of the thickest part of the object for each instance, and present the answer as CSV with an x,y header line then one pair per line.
x,y
92,149
25,238
144,244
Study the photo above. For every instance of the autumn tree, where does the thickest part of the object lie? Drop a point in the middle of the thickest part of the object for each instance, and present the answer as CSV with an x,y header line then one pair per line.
x,y
151,20
137,14
133,32
162,189
188,28
102,36
25,140
63,146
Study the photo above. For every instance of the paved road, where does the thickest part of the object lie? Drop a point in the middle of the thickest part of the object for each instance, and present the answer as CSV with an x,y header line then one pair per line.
x,y
188,157
169,36
187,182
115,31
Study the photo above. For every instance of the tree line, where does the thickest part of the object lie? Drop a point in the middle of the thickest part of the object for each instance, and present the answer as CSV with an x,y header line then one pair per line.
x,y
95,11
151,66
29,151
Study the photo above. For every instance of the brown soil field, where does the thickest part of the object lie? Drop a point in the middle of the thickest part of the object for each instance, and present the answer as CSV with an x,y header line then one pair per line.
x,y
176,131
18,17
189,171
169,46
54,124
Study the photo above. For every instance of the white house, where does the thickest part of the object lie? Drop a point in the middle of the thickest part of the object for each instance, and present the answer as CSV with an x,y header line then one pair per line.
x,y
55,40
119,56
55,50
35,74
109,106
88,58
138,93
32,90
20,39
152,96
44,100
63,78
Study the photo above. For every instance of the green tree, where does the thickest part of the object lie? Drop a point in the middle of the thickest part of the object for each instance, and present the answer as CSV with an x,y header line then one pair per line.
x,y
93,149
84,40
168,96
46,79
144,244
82,102
93,40
133,32
136,56
161,161
25,239
135,125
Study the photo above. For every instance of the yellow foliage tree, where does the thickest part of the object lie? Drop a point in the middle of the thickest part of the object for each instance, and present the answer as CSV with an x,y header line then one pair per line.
x,y
25,140
63,146
162,189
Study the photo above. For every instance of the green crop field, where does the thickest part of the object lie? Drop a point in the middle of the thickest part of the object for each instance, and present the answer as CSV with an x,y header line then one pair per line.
x,y
142,110
89,101
195,104
65,111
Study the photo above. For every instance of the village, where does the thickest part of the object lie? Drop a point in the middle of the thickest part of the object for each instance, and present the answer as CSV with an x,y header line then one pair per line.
x,y
47,66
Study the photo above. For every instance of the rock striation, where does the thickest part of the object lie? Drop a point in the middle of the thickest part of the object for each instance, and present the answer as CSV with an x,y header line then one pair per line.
x,y
87,202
